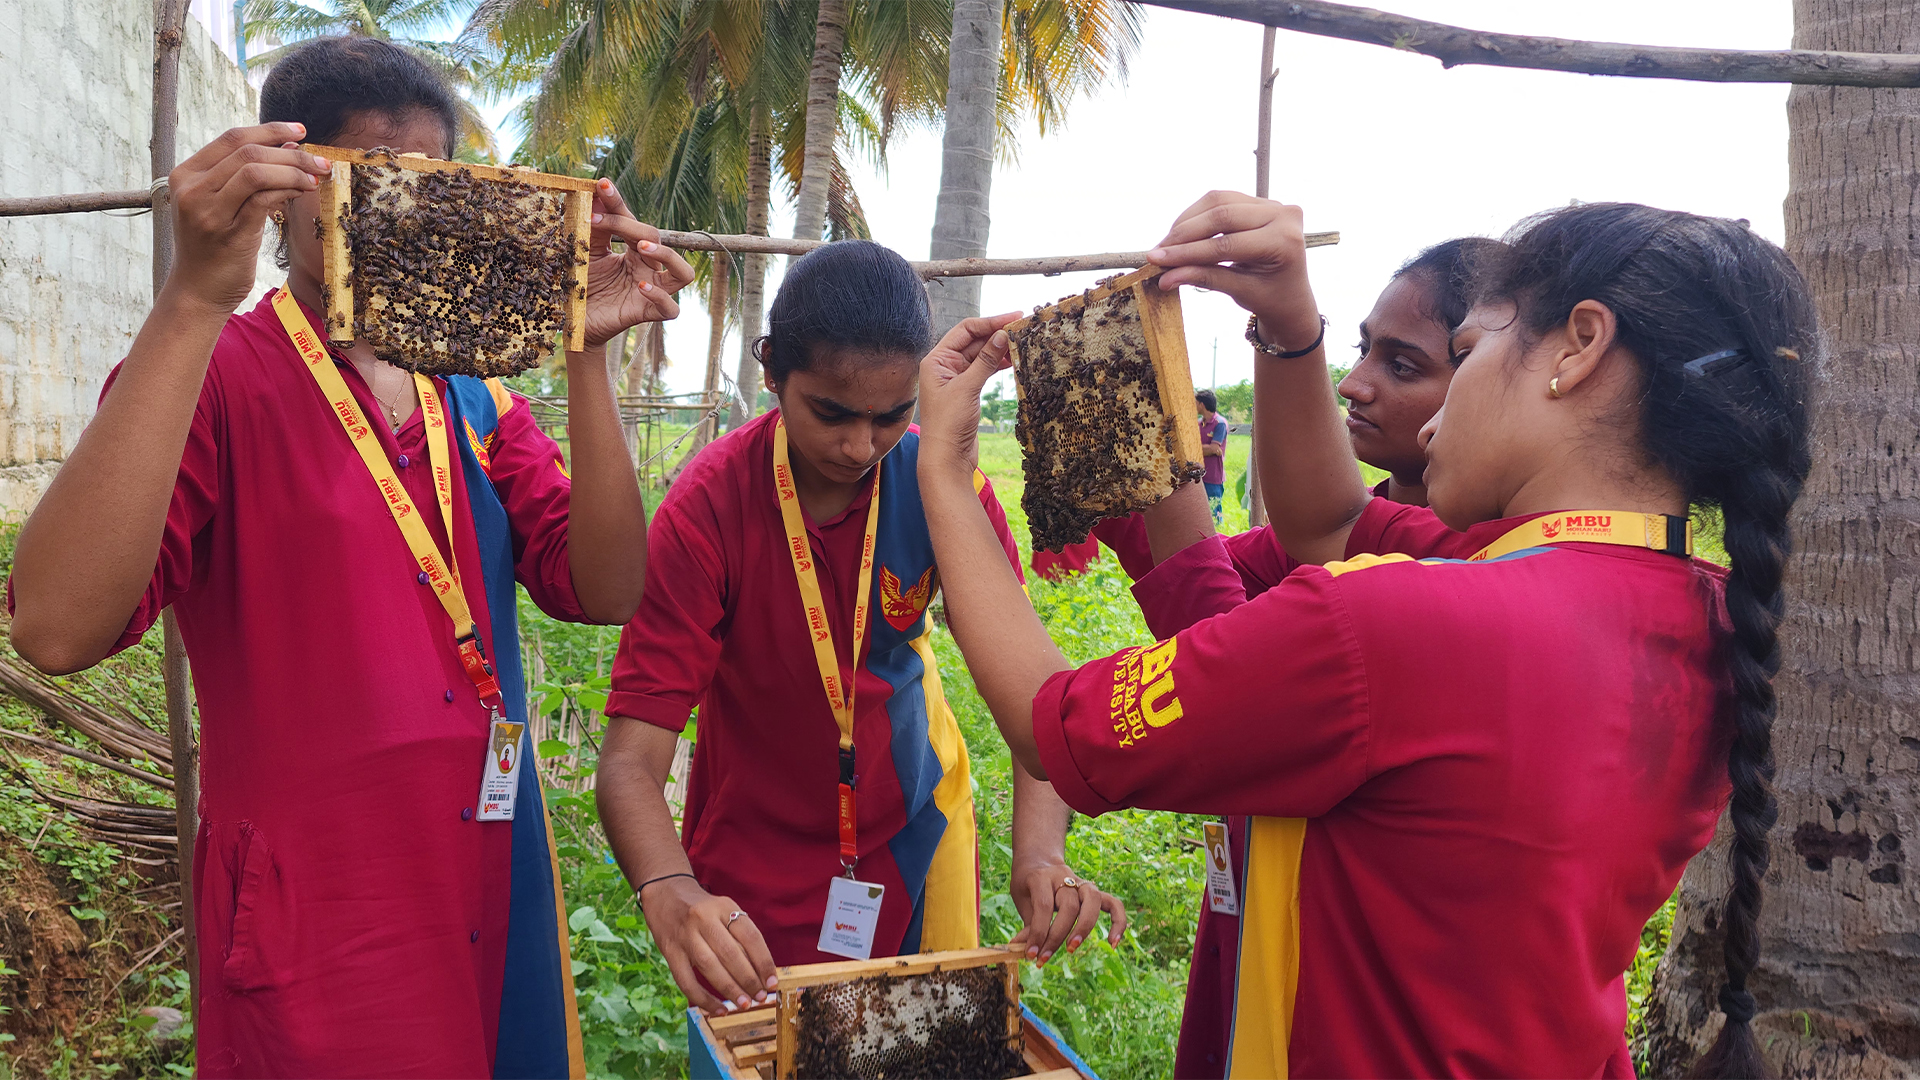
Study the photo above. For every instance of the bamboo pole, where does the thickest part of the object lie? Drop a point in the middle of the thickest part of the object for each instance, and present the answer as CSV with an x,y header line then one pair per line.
x,y
1262,173
169,26
1455,45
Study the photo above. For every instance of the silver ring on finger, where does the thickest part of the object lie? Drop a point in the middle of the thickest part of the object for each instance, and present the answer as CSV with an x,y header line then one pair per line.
x,y
735,916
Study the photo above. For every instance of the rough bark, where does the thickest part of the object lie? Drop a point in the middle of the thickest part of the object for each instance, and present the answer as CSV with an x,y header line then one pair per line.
x,y
823,120
1839,972
960,218
169,25
1452,45
717,300
1262,177
753,267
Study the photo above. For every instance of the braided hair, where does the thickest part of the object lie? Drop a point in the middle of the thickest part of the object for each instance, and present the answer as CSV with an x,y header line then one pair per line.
x,y
1723,328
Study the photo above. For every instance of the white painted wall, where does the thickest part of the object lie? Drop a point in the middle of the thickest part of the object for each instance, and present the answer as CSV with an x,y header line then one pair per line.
x,y
76,79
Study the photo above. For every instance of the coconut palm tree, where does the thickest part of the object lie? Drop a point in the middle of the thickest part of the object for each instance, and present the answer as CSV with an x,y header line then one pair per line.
x,y
1838,965
1008,59
634,71
401,22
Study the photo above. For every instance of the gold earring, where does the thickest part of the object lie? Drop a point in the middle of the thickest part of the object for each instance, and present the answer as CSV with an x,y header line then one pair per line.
x,y
1553,387
280,218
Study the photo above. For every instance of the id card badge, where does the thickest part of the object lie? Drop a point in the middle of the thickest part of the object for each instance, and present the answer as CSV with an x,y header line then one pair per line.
x,y
853,912
500,776
1223,897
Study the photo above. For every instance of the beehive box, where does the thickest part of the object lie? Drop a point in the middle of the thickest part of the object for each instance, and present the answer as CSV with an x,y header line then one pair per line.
x,y
1107,419
929,1015
450,268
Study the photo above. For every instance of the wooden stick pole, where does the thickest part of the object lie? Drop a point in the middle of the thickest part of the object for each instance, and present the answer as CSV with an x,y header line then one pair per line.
x,y
1046,265
1454,45
1262,173
75,204
169,25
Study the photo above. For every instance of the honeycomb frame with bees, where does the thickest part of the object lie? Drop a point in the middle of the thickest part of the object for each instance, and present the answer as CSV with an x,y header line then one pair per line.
x,y
954,1013
451,268
1106,419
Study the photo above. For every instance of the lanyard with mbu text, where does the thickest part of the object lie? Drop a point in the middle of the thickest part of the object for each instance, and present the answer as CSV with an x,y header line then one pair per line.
x,y
839,697
441,574
1626,528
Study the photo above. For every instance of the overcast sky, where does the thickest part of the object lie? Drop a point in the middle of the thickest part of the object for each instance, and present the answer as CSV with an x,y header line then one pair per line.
x,y
1389,148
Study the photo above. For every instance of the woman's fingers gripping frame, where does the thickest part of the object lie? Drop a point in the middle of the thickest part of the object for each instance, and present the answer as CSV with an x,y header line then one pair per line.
x,y
733,961
612,220
1226,228
646,258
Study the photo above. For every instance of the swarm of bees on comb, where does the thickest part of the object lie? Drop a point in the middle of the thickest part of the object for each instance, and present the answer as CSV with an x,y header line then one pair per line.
x,y
1106,415
941,1024
453,269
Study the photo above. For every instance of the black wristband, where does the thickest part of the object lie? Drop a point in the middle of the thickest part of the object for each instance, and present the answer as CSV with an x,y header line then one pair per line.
x,y
662,877
1253,336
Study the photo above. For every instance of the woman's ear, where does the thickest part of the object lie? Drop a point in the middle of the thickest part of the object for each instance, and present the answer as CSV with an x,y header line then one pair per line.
x,y
1579,347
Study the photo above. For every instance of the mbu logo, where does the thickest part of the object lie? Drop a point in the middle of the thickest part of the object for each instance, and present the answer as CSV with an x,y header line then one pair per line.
x,y
903,609
1578,525
1143,693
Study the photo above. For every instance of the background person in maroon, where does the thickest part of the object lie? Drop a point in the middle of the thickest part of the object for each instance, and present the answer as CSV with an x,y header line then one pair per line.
x,y
1477,833
722,629
353,916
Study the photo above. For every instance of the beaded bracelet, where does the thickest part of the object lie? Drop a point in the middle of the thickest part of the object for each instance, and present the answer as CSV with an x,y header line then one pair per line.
x,y
1253,336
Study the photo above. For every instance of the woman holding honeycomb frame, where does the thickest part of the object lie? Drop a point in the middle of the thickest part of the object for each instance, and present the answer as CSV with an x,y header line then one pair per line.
x,y
340,538
1453,850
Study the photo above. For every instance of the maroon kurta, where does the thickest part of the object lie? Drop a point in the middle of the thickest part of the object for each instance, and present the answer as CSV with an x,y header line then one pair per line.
x,y
352,916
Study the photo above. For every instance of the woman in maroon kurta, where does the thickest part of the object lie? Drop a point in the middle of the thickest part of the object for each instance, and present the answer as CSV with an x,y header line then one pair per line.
x,y
355,914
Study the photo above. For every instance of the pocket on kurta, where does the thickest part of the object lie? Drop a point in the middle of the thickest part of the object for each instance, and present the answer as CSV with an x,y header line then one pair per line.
x,y
261,938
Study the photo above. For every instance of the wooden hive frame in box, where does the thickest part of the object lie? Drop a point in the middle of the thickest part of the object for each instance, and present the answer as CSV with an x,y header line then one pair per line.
x,y
1061,509
336,201
763,1043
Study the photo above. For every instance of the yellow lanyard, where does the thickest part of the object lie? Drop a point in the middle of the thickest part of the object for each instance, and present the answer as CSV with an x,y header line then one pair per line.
x,y
443,575
1626,528
839,698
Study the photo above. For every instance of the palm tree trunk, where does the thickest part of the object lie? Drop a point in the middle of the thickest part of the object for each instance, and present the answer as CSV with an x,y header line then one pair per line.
x,y
753,284
960,218
1838,966
823,120
716,337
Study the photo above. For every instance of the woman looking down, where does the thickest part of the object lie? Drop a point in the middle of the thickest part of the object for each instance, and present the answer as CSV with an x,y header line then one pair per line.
x,y
787,598
1454,849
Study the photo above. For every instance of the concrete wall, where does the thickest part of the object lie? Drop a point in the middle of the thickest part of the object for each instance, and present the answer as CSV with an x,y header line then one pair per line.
x,y
76,79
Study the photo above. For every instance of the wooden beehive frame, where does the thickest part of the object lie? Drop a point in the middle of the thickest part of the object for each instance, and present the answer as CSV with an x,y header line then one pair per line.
x,y
764,1041
1162,339
336,203
1166,335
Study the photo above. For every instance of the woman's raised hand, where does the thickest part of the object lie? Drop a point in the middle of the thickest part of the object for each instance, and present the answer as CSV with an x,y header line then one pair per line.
x,y
1254,250
951,378
221,197
632,286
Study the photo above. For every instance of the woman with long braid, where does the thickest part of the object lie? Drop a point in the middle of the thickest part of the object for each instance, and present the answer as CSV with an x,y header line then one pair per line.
x,y
1453,850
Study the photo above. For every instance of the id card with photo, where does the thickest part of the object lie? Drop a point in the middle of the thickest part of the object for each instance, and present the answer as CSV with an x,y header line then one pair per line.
x,y
500,775
1223,894
853,913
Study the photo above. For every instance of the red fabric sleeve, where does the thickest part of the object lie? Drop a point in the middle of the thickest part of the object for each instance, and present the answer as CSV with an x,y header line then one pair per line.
x,y
1191,725
1195,583
1386,527
996,514
531,479
1126,537
671,648
196,497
